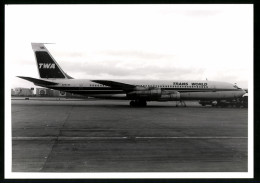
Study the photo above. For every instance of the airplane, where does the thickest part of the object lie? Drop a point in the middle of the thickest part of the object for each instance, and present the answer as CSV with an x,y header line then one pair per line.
x,y
139,92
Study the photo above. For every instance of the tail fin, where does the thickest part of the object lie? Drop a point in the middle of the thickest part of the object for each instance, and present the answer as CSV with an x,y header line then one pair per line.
x,y
47,66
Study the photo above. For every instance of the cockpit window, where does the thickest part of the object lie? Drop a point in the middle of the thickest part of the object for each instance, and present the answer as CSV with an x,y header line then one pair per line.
x,y
235,86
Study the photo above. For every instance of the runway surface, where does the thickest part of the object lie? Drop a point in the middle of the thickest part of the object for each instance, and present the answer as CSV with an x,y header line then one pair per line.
x,y
109,136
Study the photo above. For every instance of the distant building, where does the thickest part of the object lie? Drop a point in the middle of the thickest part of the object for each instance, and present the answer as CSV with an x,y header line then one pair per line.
x,y
43,92
55,93
22,92
51,93
12,92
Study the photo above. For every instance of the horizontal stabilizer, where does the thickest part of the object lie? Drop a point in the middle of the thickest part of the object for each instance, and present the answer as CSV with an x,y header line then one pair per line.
x,y
116,85
38,81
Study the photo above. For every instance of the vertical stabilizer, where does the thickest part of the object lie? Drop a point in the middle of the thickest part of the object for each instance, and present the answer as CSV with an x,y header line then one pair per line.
x,y
47,66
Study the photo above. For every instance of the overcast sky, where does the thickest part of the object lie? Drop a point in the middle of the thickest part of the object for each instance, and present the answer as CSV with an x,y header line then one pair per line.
x,y
174,42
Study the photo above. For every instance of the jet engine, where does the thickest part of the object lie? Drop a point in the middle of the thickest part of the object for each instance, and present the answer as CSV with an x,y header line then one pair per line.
x,y
170,96
155,94
149,94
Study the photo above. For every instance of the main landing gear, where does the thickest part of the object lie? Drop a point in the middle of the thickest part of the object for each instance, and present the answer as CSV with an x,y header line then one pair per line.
x,y
138,103
180,102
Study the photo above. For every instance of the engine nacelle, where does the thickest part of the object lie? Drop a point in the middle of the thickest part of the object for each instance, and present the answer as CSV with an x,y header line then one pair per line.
x,y
154,94
151,94
170,96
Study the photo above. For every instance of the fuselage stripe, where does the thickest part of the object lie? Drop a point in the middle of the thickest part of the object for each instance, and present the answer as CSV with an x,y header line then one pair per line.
x,y
72,89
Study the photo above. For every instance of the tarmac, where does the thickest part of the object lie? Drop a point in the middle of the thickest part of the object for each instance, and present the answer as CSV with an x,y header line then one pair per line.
x,y
62,135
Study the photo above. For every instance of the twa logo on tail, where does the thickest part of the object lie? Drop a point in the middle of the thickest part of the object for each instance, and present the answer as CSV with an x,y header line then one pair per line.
x,y
46,66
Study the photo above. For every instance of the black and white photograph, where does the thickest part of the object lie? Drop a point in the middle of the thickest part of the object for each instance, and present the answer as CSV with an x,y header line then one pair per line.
x,y
129,91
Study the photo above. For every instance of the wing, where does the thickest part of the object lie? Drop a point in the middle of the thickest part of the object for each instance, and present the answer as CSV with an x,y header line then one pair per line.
x,y
38,81
116,85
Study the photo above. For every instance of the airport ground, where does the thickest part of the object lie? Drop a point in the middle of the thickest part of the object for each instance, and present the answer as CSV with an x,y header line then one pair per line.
x,y
61,135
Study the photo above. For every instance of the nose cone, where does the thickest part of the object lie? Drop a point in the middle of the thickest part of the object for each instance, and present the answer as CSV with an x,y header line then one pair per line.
x,y
244,92
241,93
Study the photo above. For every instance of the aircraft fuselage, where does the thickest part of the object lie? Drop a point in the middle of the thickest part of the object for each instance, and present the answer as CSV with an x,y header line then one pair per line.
x,y
189,90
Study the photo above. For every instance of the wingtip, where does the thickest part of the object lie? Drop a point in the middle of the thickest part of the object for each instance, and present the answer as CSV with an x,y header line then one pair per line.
x,y
22,77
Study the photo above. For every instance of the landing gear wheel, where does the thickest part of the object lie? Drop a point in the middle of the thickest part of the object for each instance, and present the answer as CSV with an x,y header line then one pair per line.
x,y
138,103
142,103
132,103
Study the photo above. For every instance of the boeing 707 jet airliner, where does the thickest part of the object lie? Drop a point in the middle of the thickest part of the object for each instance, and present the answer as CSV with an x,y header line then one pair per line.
x,y
137,91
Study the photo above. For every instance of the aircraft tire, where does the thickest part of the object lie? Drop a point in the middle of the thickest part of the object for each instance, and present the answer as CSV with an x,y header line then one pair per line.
x,y
138,103
238,105
132,103
142,103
